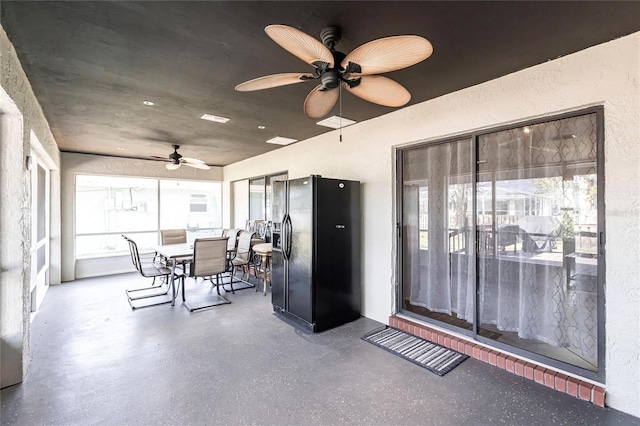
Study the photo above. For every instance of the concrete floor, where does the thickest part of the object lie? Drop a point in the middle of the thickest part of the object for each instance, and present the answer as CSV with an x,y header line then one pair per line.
x,y
95,361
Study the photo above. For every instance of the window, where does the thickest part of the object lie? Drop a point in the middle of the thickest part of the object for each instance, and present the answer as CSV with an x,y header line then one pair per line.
x,y
194,206
109,206
500,238
260,196
198,203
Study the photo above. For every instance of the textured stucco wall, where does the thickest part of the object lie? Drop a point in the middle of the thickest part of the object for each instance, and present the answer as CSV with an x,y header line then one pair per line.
x,y
73,164
607,75
16,181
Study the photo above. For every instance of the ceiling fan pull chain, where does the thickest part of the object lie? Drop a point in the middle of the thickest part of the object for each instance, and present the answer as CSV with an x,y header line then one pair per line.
x,y
340,99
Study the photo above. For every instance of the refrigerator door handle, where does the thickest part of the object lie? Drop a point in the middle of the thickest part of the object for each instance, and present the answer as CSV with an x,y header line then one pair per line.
x,y
283,241
288,236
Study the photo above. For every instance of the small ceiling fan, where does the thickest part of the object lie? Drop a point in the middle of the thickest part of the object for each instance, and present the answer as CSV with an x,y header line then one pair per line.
x,y
355,71
176,160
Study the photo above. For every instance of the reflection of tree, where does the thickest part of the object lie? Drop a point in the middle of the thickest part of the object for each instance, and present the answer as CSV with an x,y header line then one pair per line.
x,y
458,201
588,187
576,196
560,192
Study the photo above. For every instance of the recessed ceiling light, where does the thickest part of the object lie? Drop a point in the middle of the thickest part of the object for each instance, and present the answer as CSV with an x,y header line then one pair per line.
x,y
335,122
120,149
215,118
148,103
279,140
261,127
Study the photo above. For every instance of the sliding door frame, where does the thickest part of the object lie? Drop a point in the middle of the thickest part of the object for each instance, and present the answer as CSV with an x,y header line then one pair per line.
x,y
599,374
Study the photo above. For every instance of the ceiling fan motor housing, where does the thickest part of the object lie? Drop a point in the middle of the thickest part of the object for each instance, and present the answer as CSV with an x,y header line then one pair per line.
x,y
174,156
330,79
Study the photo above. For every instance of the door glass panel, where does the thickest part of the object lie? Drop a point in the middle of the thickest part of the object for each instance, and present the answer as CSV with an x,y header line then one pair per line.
x,y
256,199
268,191
537,226
439,269
42,257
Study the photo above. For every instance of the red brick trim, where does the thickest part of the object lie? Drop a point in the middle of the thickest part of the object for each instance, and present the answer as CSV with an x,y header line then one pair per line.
x,y
528,369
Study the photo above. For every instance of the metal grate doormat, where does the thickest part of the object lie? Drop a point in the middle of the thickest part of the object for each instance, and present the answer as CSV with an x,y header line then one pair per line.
x,y
433,357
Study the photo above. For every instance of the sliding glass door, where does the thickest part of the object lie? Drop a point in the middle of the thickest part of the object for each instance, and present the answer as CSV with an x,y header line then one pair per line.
x,y
501,238
260,196
438,267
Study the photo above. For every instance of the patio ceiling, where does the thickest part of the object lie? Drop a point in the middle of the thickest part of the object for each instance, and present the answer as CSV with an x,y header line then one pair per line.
x,y
92,64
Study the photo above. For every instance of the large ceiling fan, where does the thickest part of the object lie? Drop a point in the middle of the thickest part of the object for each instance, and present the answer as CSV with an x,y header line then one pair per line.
x,y
355,71
176,160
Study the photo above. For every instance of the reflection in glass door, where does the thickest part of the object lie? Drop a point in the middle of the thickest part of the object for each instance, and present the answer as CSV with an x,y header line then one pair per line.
x,y
501,236
538,226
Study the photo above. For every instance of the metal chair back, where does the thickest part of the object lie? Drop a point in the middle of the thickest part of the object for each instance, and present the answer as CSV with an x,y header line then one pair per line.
x,y
243,249
209,257
233,238
173,236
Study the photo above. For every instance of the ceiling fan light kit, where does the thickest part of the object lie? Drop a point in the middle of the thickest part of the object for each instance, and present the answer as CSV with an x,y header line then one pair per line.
x,y
176,160
354,72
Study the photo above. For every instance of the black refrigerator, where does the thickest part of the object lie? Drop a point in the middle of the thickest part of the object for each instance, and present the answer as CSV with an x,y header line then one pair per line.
x,y
316,251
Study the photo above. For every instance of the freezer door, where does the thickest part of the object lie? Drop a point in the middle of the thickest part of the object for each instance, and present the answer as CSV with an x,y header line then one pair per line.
x,y
278,280
299,290
278,264
337,252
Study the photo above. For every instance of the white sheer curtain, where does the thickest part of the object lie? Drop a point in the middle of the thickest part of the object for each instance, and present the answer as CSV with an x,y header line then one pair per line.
x,y
441,268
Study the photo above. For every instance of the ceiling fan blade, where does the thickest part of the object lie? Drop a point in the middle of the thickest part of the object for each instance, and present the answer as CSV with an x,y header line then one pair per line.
x,y
201,166
269,81
192,160
172,166
380,90
389,54
319,103
300,44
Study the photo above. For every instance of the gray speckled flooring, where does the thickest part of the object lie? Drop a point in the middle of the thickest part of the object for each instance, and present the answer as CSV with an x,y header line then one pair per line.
x,y
95,361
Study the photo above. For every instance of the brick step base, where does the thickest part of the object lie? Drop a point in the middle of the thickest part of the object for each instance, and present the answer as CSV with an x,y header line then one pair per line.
x,y
528,369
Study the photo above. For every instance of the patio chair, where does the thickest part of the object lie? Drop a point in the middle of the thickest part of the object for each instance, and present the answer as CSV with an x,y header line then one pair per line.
x,y
173,236
144,257
148,270
241,259
209,260
261,228
232,243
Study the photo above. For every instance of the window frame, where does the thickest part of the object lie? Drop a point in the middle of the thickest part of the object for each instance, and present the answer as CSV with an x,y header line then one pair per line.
x,y
156,229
